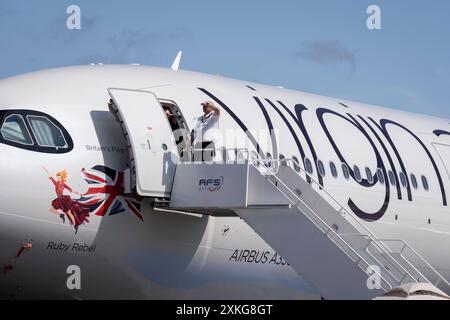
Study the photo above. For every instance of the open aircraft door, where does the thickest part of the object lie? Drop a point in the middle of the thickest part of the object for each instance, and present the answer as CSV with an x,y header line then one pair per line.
x,y
151,142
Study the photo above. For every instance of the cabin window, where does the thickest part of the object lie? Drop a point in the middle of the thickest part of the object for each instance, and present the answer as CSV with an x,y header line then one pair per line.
x,y
403,180
296,164
14,129
47,134
425,183
414,181
333,169
380,176
308,166
357,173
392,178
345,171
321,168
369,175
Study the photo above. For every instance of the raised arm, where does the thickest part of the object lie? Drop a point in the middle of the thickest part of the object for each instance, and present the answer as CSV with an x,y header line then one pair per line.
x,y
209,106
49,176
215,109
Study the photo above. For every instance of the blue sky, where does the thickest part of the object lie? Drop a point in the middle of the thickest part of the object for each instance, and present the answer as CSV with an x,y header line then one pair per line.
x,y
320,46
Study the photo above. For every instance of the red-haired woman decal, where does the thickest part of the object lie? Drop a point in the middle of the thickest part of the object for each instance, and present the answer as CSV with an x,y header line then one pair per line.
x,y
64,205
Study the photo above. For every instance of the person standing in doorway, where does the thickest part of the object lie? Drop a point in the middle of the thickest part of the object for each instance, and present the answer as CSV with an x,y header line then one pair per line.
x,y
206,131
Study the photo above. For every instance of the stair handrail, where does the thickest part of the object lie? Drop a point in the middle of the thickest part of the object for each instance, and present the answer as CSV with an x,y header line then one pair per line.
x,y
347,213
414,251
330,229
268,164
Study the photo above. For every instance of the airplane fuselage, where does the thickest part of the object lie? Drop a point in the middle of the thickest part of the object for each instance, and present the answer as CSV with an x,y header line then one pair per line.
x,y
171,255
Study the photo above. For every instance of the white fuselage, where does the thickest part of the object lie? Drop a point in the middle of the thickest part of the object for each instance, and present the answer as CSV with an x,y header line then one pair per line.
x,y
173,255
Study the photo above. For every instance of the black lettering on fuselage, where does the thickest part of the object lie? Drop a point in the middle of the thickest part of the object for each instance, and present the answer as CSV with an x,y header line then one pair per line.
x,y
388,155
383,128
293,134
297,118
364,182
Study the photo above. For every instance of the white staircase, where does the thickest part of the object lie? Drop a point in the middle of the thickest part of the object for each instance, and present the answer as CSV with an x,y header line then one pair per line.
x,y
327,245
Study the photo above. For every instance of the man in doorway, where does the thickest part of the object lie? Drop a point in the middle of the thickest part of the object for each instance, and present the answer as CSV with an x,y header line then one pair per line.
x,y
205,133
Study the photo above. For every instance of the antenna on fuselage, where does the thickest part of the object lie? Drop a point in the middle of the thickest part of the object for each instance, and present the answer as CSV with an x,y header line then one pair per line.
x,y
176,62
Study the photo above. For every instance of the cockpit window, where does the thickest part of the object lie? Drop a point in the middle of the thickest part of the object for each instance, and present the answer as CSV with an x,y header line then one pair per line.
x,y
46,132
14,129
33,131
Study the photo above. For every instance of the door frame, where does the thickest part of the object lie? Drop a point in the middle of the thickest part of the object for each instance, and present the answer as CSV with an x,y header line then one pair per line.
x,y
133,171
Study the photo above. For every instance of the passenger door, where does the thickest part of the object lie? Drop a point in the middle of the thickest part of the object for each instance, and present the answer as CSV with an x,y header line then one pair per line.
x,y
151,143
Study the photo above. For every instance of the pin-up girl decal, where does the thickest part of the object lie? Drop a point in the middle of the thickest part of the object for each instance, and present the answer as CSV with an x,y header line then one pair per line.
x,y
64,205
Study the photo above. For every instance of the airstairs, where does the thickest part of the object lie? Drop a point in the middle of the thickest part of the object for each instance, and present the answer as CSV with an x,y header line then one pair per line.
x,y
321,240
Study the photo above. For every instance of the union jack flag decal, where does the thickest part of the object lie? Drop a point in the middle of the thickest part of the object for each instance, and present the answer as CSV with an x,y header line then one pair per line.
x,y
104,194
